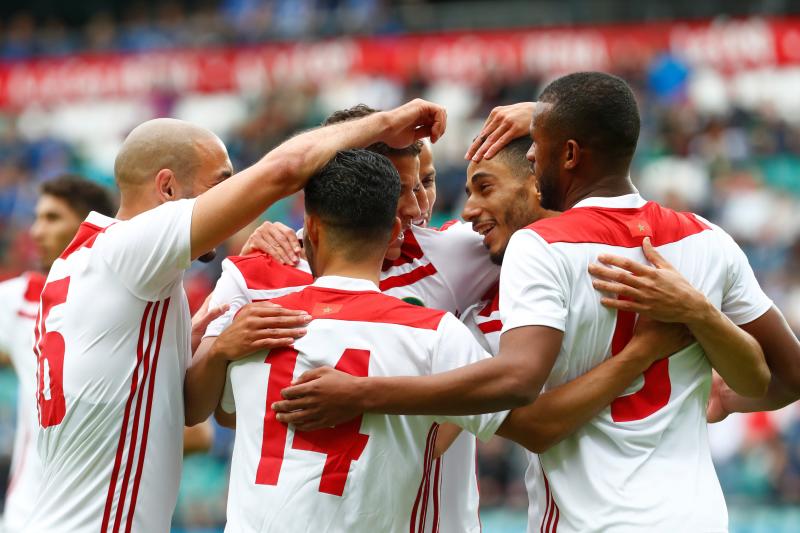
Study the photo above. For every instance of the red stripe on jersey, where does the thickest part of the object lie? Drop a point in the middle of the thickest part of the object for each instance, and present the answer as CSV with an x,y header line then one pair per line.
x,y
545,516
123,433
360,306
437,487
84,238
491,326
624,227
410,251
492,298
262,272
427,495
409,278
123,488
33,291
146,430
413,527
448,224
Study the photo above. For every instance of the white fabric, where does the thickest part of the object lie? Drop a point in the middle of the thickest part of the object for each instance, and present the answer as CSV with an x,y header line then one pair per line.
x,y
17,318
125,324
382,483
652,474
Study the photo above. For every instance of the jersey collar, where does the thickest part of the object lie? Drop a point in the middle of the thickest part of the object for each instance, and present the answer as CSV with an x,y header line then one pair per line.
x,y
100,220
627,201
345,284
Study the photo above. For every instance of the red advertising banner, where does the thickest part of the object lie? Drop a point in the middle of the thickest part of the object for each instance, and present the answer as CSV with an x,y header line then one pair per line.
x,y
729,45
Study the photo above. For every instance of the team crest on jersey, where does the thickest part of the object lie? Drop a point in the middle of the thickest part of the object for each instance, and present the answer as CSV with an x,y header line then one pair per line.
x,y
413,300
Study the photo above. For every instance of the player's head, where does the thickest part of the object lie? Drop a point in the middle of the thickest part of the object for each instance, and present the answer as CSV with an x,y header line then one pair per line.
x,y
405,160
427,178
62,205
350,210
585,127
502,196
165,159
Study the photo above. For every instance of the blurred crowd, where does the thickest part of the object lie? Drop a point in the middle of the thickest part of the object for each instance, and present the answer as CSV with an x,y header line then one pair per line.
x,y
739,168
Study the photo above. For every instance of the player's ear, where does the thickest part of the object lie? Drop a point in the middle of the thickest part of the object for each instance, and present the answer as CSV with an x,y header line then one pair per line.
x,y
167,185
572,154
311,229
397,227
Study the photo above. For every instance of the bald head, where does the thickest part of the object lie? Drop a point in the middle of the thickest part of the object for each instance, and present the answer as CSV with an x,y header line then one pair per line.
x,y
162,143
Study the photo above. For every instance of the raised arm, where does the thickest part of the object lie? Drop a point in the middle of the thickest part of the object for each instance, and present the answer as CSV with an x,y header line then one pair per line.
x,y
558,413
504,124
662,293
231,205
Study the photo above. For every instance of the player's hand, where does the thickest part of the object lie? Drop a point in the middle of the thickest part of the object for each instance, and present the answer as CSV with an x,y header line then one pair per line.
x,y
657,291
202,318
716,411
276,239
319,398
412,121
656,340
260,326
504,124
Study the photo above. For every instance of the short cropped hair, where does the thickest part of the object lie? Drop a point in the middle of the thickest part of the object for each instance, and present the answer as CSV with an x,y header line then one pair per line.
x,y
596,109
363,110
514,156
355,196
82,195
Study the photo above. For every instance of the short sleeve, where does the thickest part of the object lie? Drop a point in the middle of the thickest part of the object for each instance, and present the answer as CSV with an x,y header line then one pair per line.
x,y
742,298
456,348
534,284
226,402
230,290
460,257
150,251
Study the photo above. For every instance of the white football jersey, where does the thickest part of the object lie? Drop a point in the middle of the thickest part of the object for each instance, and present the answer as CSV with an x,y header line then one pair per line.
x,y
643,463
363,475
113,344
446,269
20,301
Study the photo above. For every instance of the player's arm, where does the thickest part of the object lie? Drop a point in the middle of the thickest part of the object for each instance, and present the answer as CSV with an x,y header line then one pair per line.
x,y
558,413
257,326
782,351
445,437
198,439
276,239
231,205
662,293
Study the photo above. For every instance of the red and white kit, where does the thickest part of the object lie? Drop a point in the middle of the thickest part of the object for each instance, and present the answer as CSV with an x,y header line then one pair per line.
x,y
112,341
20,297
642,464
363,475
447,270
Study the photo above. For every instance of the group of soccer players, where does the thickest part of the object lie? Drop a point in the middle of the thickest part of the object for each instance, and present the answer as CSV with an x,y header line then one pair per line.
x,y
336,352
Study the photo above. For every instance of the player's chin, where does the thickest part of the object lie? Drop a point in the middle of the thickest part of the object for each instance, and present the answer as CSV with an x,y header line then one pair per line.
x,y
208,256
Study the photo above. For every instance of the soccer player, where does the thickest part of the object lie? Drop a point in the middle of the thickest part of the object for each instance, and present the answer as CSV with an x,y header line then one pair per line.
x,y
623,468
63,203
113,339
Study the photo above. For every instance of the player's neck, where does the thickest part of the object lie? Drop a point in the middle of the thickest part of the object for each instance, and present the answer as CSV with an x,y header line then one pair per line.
x,y
135,203
336,266
603,187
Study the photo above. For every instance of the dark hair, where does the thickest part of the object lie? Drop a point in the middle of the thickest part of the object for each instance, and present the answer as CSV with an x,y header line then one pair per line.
x,y
596,109
80,194
363,110
355,196
514,156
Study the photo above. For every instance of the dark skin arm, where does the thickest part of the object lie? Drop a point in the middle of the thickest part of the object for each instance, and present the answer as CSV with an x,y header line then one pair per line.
x,y
325,397
782,352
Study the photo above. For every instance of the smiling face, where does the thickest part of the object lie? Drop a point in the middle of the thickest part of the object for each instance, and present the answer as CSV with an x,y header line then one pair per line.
x,y
499,202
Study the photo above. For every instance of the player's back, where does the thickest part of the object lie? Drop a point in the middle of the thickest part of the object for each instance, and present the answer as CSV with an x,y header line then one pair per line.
x,y
643,462
363,475
112,342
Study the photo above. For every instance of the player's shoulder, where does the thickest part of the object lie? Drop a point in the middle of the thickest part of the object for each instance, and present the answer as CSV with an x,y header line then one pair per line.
x,y
261,271
624,227
361,306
